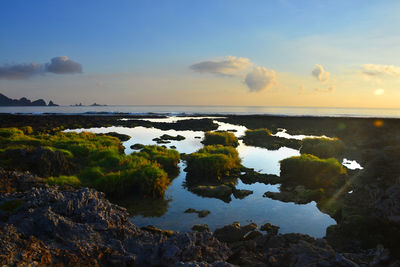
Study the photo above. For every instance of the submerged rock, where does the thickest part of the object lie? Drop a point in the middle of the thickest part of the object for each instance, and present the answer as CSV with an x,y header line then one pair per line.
x,y
222,192
200,213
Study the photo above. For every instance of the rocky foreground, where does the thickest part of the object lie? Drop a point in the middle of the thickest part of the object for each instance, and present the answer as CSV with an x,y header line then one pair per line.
x,y
47,225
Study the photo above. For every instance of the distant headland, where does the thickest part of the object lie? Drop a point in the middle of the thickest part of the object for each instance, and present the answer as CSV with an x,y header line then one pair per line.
x,y
6,101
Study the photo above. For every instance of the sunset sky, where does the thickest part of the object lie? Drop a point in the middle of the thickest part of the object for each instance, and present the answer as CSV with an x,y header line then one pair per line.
x,y
231,52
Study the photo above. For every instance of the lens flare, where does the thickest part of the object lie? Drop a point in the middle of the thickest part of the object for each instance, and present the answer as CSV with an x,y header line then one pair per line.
x,y
378,123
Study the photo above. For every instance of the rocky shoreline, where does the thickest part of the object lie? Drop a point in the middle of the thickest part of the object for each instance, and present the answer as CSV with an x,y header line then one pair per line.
x,y
51,225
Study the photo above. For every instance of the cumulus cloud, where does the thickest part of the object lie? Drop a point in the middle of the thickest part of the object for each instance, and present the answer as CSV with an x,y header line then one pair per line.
x,y
379,70
63,65
58,65
319,73
229,65
260,78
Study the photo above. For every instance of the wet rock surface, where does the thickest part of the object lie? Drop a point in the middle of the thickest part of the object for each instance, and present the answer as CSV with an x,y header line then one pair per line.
x,y
79,227
367,232
15,181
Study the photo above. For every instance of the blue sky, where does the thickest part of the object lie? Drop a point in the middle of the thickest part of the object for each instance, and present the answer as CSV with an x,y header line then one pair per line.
x,y
159,39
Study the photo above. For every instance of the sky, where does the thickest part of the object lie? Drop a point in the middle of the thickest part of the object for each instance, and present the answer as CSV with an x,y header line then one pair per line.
x,y
209,52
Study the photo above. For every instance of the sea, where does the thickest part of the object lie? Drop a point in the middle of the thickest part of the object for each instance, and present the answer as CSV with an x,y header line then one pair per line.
x,y
201,110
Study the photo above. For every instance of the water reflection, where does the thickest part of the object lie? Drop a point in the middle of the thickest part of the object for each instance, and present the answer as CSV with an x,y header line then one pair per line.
x,y
351,164
284,134
146,207
168,213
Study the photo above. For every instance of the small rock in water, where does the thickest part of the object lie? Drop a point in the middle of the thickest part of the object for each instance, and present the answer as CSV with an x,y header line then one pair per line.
x,y
200,213
203,213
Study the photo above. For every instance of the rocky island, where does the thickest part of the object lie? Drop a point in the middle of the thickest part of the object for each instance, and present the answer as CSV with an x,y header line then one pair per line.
x,y
6,101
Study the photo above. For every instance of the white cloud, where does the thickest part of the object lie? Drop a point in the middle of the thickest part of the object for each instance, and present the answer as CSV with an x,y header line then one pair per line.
x,y
229,65
378,70
260,78
319,73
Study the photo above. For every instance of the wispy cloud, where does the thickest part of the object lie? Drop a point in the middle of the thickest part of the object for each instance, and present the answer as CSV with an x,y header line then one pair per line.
x,y
380,70
260,78
319,73
58,65
229,65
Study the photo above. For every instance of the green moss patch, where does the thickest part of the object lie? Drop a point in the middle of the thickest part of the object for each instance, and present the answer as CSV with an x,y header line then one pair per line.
x,y
220,138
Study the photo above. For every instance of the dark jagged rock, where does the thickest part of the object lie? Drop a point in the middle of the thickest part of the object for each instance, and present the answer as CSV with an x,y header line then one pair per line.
x,y
270,228
80,227
14,181
201,228
233,232
153,229
52,226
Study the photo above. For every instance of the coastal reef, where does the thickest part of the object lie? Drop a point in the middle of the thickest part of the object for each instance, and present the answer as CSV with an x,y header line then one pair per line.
x,y
51,225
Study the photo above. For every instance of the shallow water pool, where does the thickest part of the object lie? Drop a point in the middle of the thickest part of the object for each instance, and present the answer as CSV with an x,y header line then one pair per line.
x,y
168,213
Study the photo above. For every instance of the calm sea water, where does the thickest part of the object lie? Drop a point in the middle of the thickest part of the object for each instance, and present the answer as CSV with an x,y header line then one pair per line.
x,y
297,111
